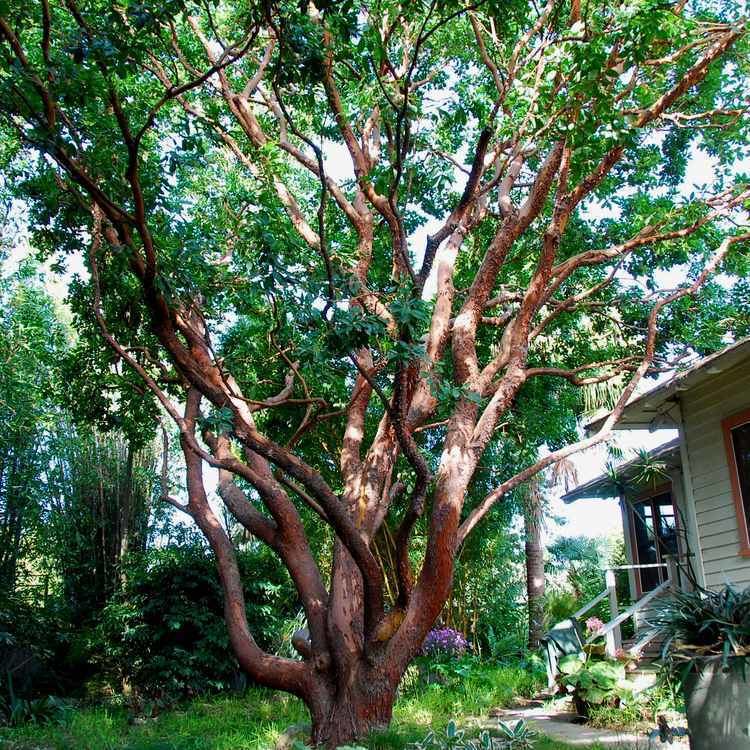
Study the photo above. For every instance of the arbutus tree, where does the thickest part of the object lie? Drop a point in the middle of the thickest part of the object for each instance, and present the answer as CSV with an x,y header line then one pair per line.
x,y
340,245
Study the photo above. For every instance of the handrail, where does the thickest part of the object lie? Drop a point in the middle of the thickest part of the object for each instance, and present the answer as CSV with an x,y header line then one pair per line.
x,y
630,611
650,635
634,567
592,603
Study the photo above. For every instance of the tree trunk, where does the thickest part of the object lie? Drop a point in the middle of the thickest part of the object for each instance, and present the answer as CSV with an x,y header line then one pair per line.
x,y
534,567
362,704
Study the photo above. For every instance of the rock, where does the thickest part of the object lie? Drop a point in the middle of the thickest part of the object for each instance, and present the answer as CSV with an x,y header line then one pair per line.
x,y
27,669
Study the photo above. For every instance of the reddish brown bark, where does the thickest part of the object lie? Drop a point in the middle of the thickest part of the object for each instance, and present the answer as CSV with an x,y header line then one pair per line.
x,y
363,701
358,649
535,580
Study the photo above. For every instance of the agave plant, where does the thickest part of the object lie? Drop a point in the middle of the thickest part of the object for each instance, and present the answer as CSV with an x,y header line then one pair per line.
x,y
701,624
518,736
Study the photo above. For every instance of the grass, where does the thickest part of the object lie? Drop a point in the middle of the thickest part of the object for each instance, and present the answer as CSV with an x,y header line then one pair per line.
x,y
250,722
254,720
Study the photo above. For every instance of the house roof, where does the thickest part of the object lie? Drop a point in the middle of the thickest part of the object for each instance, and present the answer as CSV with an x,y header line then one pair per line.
x,y
650,410
603,486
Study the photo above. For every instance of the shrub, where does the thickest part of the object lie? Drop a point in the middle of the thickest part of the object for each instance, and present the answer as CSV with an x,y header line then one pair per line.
x,y
559,604
576,570
34,650
164,635
17,711
445,641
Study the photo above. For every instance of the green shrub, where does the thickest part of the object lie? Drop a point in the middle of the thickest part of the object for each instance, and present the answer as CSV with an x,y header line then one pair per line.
x,y
164,635
35,657
576,567
18,711
645,707
559,604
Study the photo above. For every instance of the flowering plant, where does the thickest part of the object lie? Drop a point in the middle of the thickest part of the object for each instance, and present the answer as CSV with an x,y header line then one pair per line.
x,y
444,641
594,626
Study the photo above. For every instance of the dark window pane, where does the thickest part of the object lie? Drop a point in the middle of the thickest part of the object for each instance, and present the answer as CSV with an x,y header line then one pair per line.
x,y
741,444
655,531
645,544
667,525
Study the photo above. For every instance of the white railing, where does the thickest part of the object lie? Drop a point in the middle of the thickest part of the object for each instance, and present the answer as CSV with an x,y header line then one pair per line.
x,y
612,630
581,612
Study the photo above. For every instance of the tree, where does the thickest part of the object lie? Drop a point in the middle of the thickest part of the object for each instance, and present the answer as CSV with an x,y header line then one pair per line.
x,y
101,494
31,339
335,364
562,473
533,522
75,497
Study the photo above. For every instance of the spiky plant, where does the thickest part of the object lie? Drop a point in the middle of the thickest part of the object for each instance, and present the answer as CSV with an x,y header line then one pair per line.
x,y
704,624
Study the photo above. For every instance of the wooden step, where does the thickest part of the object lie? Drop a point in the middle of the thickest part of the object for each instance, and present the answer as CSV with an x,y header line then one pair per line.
x,y
650,644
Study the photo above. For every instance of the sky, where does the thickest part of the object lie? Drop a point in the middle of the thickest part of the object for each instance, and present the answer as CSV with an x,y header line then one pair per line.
x,y
597,516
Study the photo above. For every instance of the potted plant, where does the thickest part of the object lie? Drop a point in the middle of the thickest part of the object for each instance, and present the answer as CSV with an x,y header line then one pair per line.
x,y
592,681
706,649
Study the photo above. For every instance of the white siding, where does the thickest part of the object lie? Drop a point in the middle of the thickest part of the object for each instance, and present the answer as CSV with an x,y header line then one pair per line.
x,y
703,408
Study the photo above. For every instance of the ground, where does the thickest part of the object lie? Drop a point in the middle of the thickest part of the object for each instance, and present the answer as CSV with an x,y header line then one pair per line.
x,y
254,720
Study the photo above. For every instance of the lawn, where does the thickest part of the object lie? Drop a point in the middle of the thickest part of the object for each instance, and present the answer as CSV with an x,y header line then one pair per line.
x,y
254,720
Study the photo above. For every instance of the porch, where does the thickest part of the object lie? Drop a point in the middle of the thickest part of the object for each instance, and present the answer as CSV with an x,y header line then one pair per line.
x,y
674,574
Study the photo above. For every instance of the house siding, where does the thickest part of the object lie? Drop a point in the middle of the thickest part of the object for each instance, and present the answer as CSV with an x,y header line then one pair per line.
x,y
703,408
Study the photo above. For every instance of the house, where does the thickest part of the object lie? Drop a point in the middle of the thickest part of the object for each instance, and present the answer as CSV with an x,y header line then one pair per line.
x,y
686,508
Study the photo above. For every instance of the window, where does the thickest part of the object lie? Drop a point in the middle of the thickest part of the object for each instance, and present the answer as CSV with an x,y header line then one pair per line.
x,y
654,530
737,444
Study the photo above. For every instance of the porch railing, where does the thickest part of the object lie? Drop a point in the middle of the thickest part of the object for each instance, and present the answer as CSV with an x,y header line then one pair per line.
x,y
612,630
675,579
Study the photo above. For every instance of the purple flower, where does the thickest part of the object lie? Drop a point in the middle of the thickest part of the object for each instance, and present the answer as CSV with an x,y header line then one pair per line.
x,y
444,641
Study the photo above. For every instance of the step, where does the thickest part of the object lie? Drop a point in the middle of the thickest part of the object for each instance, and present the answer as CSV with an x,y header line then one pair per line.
x,y
643,678
647,643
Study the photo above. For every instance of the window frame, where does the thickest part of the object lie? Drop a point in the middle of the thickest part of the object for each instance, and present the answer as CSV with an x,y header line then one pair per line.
x,y
727,425
666,488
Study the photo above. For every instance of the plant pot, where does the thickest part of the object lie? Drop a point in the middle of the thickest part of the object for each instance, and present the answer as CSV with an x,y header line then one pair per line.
x,y
582,709
718,706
